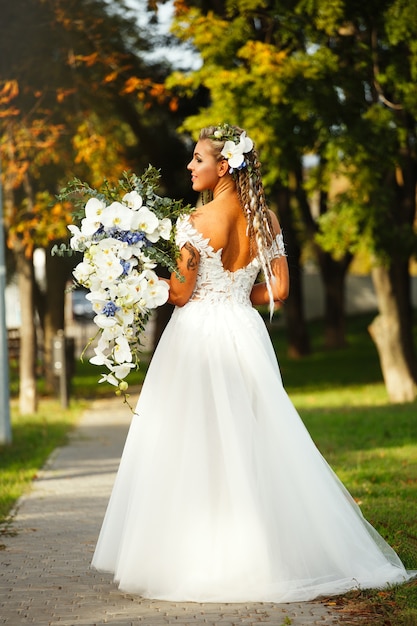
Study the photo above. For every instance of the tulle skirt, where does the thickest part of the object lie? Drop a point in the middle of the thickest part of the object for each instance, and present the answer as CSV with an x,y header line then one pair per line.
x,y
221,494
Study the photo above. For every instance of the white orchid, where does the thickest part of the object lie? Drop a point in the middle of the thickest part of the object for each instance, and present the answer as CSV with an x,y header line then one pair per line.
x,y
233,152
157,291
92,220
122,353
125,315
133,287
121,371
109,378
104,321
100,359
108,336
110,333
98,296
151,278
158,294
122,292
78,241
146,221
164,228
82,273
130,253
109,272
93,210
117,215
133,200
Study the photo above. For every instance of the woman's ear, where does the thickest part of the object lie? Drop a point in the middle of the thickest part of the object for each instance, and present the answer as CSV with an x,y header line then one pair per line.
x,y
223,167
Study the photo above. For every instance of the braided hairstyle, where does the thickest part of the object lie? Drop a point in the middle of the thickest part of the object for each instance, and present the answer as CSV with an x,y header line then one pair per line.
x,y
251,194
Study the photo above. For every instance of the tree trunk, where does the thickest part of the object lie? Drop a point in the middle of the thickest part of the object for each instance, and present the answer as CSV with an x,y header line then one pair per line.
x,y
58,271
400,280
385,331
404,211
333,273
297,333
28,401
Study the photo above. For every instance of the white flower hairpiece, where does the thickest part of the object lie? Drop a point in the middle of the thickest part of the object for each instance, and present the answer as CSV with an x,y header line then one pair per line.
x,y
235,147
234,152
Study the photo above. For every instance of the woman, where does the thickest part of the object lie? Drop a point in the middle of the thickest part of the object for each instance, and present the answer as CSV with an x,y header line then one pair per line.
x,y
221,494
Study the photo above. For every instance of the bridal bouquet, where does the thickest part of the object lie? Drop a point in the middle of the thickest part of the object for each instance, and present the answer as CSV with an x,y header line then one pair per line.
x,y
123,232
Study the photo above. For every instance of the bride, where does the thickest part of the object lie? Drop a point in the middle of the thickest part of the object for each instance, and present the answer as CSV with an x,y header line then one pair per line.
x,y
221,494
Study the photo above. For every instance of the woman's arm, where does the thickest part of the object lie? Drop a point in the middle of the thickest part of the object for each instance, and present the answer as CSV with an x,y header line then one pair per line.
x,y
180,291
280,282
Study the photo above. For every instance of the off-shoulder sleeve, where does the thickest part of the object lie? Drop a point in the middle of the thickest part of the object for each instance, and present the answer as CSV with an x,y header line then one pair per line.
x,y
277,248
186,233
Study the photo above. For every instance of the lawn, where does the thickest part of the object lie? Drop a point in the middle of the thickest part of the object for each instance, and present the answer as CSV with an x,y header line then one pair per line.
x,y
34,439
371,444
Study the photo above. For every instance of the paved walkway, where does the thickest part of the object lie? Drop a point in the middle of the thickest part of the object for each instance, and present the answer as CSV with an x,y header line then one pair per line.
x,y
44,560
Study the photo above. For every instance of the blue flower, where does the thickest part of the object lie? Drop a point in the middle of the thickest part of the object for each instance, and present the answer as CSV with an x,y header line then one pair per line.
x,y
126,267
114,232
133,237
110,309
98,233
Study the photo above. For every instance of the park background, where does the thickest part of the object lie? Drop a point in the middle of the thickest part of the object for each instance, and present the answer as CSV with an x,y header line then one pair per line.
x,y
328,91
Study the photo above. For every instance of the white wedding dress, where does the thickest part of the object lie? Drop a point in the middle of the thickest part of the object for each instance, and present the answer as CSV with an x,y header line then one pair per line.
x,y
221,494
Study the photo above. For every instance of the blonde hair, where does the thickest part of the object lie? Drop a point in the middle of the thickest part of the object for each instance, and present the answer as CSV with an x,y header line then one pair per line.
x,y
251,194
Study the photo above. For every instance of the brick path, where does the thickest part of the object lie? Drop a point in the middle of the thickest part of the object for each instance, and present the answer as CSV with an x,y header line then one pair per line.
x,y
44,560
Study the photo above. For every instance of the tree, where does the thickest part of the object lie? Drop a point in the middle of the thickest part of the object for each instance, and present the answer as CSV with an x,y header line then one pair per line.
x,y
334,79
76,98
239,69
265,65
375,149
25,141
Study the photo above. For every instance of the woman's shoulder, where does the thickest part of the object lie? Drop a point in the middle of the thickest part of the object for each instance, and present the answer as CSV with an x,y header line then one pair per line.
x,y
207,219
274,221
216,214
187,231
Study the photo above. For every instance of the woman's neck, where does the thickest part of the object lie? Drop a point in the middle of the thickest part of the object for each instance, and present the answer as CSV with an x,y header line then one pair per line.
x,y
225,186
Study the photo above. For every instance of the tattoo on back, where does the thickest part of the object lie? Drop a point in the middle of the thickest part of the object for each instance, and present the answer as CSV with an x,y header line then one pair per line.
x,y
192,261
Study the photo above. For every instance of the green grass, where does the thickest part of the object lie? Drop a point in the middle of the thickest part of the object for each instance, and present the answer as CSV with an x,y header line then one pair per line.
x,y
371,444
85,381
34,438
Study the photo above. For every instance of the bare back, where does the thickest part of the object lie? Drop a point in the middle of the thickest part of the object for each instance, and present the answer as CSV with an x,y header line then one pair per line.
x,y
223,222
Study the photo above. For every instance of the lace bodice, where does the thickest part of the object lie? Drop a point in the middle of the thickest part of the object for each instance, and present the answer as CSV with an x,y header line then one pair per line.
x,y
214,283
